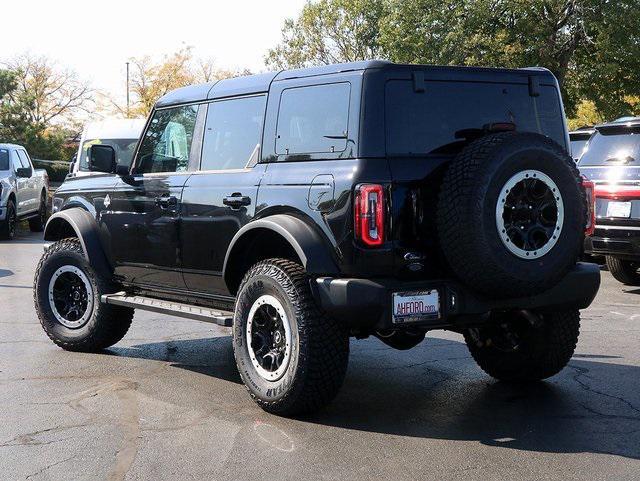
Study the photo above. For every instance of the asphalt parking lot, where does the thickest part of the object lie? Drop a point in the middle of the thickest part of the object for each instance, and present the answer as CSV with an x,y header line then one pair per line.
x,y
167,403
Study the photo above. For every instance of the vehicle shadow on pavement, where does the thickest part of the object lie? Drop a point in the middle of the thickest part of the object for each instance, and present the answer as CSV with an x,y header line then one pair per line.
x,y
436,391
209,356
591,406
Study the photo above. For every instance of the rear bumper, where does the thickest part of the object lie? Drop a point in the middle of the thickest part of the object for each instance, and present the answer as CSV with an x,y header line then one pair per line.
x,y
612,241
366,304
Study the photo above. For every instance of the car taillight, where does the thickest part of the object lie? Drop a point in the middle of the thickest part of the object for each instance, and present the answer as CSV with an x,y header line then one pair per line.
x,y
589,188
369,214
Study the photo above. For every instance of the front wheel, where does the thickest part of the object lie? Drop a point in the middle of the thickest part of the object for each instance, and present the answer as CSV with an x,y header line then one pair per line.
x,y
8,225
525,346
292,359
627,272
67,292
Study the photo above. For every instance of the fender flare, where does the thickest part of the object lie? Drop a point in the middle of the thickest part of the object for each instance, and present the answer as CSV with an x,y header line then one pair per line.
x,y
310,246
86,230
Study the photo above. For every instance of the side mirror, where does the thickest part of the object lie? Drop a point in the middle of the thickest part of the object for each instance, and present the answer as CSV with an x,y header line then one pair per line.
x,y
122,170
102,158
24,172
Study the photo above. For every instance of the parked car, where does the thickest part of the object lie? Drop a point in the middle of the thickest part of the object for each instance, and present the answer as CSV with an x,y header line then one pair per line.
x,y
612,161
23,191
121,134
578,140
304,207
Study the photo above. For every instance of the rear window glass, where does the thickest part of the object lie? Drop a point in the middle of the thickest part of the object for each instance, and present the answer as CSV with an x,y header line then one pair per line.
x,y
577,147
612,148
419,123
4,159
313,119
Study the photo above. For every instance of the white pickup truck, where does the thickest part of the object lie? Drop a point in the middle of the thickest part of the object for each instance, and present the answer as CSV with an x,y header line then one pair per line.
x,y
23,191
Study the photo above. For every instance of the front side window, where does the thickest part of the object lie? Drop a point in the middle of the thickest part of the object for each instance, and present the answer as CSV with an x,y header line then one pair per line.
x,y
124,150
4,159
15,161
166,144
313,119
232,133
24,159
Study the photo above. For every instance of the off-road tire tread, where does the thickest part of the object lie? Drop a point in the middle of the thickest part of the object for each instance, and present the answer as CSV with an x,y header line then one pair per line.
x,y
327,352
113,322
548,354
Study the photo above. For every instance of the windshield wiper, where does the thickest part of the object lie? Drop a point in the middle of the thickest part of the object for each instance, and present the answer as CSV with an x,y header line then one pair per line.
x,y
624,160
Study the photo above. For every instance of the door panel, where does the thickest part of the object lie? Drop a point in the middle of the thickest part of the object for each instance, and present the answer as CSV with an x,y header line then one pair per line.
x,y
208,225
22,185
142,219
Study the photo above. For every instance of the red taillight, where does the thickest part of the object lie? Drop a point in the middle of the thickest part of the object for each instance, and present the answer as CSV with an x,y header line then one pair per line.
x,y
369,214
589,188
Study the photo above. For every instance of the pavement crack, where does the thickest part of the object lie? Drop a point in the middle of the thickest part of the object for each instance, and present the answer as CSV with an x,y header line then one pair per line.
x,y
48,466
582,372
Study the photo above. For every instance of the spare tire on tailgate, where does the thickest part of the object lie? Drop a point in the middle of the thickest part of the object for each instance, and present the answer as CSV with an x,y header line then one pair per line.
x,y
511,214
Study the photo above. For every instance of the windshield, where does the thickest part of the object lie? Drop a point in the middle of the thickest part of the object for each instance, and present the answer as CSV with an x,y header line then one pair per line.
x,y
577,147
612,148
4,159
124,151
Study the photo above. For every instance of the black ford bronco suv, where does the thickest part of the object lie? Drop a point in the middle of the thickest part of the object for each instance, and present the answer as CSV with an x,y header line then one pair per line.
x,y
305,207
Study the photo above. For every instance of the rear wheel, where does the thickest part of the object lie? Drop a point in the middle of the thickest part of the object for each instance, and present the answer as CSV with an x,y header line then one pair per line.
x,y
9,224
36,224
67,294
625,271
291,357
525,346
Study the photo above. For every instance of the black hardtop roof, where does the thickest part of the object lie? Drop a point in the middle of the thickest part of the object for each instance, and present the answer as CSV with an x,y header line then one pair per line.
x,y
259,83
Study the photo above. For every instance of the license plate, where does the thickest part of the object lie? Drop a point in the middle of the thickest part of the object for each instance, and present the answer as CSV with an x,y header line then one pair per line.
x,y
619,209
415,306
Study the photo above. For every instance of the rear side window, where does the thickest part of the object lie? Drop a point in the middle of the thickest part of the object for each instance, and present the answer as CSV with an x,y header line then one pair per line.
x,y
232,133
419,123
613,148
313,119
4,159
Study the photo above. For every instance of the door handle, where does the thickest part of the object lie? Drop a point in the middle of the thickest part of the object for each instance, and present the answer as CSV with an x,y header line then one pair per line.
x,y
236,200
169,202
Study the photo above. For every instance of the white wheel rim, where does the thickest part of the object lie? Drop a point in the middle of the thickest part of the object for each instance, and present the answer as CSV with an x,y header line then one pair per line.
x,y
507,229
55,303
256,358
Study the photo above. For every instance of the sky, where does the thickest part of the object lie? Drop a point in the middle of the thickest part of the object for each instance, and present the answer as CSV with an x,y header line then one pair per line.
x,y
96,38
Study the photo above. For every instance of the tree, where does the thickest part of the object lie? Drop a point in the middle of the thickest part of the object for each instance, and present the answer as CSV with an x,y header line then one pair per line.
x,y
329,31
37,102
45,92
592,46
150,80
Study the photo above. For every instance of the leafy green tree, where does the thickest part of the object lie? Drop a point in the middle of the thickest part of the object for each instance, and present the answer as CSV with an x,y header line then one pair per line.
x,y
329,31
37,104
592,46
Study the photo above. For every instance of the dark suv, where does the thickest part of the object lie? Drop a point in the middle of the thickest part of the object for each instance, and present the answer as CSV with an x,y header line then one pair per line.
x,y
611,159
304,207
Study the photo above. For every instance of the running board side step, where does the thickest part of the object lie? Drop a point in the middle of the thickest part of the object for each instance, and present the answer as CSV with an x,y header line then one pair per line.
x,y
222,318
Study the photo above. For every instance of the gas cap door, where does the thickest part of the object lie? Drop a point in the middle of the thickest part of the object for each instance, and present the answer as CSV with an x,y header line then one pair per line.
x,y
321,193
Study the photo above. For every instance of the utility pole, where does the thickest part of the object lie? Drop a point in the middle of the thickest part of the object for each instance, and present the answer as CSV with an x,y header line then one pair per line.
x,y
127,89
